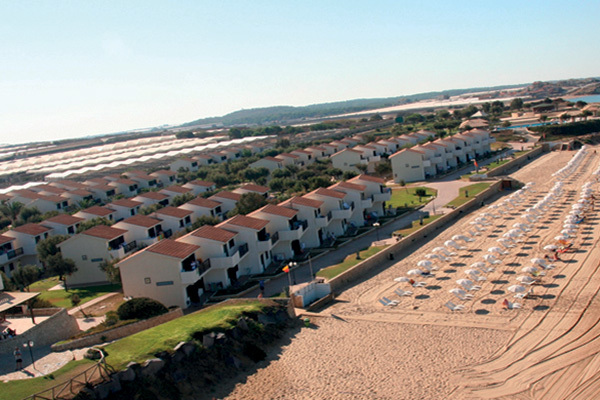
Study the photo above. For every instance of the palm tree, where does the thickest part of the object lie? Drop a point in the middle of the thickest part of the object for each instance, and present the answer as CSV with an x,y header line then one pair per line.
x,y
11,210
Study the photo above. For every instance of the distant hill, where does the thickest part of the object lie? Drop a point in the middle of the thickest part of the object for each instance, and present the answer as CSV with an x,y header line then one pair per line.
x,y
282,115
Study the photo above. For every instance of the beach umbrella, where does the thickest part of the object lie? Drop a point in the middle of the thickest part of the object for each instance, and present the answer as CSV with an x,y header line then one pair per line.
x,y
414,272
402,279
516,289
551,247
424,263
463,238
472,272
443,250
561,237
530,270
570,226
478,264
525,279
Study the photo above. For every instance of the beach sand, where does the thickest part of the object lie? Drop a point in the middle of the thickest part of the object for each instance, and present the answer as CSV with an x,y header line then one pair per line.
x,y
359,349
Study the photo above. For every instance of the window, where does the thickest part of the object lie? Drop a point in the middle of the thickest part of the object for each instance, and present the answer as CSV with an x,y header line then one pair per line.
x,y
164,283
84,257
37,239
147,281
132,211
70,230
181,223
231,244
188,220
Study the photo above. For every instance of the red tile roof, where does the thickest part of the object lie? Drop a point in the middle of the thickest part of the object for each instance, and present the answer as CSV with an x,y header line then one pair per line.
x,y
98,210
6,239
287,155
123,181
199,182
153,196
64,219
104,232
214,233
349,186
202,202
141,220
302,201
172,248
173,212
276,210
226,195
31,229
269,158
125,203
80,192
245,221
329,193
368,178
163,172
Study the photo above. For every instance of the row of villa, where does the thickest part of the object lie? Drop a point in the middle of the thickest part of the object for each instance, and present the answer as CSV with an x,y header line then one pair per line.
x,y
218,256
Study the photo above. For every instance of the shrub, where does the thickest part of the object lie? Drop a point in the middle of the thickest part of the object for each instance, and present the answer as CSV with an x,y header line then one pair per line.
x,y
140,308
111,318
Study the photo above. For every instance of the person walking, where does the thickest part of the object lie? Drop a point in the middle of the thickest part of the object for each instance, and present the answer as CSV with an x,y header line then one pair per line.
x,y
18,359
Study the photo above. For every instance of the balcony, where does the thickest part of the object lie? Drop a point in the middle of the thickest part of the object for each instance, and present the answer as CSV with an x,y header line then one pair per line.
x,y
275,238
321,221
426,163
123,250
192,276
437,160
295,233
459,152
341,214
264,244
225,262
10,254
366,202
148,241
378,197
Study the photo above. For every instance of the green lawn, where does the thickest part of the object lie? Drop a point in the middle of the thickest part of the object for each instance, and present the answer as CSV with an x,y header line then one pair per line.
x,y
349,261
415,225
143,345
406,196
471,190
22,388
62,298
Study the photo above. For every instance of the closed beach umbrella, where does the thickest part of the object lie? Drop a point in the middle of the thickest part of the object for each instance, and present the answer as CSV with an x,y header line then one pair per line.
x,y
525,279
551,247
471,272
402,279
516,289
529,270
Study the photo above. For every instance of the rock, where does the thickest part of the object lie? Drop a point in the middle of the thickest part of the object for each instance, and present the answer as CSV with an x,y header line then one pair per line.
x,y
88,393
281,316
208,340
236,362
188,348
242,324
127,375
266,319
152,367
179,376
104,389
221,338
133,365
236,333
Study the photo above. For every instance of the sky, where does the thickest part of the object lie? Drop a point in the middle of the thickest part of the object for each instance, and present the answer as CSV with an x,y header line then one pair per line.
x,y
78,68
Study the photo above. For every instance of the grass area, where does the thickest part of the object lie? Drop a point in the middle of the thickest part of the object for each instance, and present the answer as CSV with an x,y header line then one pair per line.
x,y
62,298
408,196
22,388
143,345
467,193
416,226
349,261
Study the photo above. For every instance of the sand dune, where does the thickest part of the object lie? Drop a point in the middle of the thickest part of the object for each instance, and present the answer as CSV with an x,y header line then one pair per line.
x,y
421,349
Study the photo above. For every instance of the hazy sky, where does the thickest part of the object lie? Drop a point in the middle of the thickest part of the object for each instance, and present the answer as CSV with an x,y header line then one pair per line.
x,y
77,68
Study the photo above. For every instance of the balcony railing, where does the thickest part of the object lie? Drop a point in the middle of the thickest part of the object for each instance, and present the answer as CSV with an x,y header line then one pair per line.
x,y
275,238
243,249
14,253
130,246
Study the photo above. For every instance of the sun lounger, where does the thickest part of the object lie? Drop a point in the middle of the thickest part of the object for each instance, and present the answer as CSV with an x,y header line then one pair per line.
x,y
461,294
509,305
387,302
454,307
401,292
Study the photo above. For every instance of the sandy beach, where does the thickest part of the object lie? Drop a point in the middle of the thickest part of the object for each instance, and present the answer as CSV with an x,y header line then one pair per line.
x,y
420,349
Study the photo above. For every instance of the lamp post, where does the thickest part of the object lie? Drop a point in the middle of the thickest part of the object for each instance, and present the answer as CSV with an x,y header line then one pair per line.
x,y
30,345
377,225
292,266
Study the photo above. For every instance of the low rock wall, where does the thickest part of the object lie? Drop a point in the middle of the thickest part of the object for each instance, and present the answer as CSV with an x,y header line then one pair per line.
x,y
117,333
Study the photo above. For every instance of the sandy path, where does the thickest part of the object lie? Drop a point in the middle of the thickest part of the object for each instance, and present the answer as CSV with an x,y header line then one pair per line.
x,y
420,349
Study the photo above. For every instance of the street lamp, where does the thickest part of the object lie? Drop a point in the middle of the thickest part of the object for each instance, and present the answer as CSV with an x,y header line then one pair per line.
x,y
292,266
377,225
30,345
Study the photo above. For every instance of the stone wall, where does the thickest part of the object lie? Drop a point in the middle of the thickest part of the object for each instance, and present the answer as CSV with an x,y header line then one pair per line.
x,y
117,333
59,326
396,250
